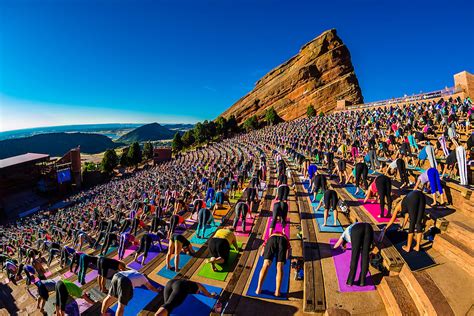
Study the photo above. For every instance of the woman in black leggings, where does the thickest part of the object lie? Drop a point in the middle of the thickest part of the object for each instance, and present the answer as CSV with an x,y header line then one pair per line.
x,y
329,201
280,210
361,237
175,293
146,242
412,207
381,186
241,210
318,182
361,171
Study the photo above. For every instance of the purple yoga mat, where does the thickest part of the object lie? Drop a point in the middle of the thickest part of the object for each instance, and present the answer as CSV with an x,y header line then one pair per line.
x,y
374,210
248,227
152,254
278,228
68,274
89,277
127,252
342,260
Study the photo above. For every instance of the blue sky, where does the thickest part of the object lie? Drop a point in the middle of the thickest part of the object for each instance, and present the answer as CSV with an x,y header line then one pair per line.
x,y
82,61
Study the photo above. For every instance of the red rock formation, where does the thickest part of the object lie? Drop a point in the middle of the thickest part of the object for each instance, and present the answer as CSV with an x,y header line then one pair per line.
x,y
320,74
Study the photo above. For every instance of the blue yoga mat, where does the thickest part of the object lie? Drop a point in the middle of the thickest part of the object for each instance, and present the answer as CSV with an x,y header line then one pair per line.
x,y
352,188
268,287
197,304
141,298
330,221
183,260
210,230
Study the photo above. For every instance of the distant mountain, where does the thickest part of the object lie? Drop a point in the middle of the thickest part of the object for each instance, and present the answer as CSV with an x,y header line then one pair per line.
x,y
148,132
179,127
56,144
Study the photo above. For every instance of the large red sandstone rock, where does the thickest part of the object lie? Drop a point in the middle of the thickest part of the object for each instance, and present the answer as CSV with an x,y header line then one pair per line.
x,y
320,74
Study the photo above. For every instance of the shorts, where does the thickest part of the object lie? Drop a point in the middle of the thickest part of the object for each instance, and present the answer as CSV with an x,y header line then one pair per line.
x,y
219,248
276,246
121,288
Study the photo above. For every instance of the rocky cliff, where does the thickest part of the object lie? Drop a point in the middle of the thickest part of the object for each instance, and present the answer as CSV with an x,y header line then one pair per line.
x,y
320,74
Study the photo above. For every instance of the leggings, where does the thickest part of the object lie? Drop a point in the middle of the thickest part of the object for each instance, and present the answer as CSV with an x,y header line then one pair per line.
x,y
174,221
384,189
416,203
402,171
361,171
52,253
156,223
442,142
461,158
374,162
319,182
330,199
84,261
125,225
280,209
435,182
241,210
204,217
111,238
283,192
135,223
102,235
175,293
123,245
362,236
145,245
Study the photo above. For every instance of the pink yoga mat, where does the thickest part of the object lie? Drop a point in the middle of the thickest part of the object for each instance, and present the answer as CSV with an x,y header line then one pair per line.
x,y
68,274
248,227
89,277
374,210
127,252
48,274
342,261
278,228
83,305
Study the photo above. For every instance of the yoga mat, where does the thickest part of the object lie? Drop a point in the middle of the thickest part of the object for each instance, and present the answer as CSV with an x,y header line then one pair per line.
x,y
77,307
248,227
90,276
68,274
219,213
342,261
416,260
222,270
268,286
154,251
210,230
329,228
48,273
127,252
374,210
111,249
183,260
197,304
140,299
352,189
278,228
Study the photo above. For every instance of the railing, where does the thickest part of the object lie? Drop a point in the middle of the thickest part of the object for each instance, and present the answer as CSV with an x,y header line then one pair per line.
x,y
413,98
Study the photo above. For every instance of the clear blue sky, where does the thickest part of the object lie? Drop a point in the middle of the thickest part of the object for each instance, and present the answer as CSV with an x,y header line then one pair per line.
x,y
82,61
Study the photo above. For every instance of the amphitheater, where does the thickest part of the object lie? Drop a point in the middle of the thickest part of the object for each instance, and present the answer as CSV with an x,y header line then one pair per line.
x,y
437,280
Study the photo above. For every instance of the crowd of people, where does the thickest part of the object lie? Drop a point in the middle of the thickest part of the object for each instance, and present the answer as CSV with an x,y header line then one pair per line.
x,y
393,155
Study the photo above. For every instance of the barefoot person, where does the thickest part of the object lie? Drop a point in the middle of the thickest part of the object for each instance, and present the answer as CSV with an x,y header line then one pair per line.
x,y
122,287
361,236
219,246
329,201
381,186
413,208
176,244
276,246
175,293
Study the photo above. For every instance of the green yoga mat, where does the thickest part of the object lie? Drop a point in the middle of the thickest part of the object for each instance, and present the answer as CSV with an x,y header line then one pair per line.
x,y
222,270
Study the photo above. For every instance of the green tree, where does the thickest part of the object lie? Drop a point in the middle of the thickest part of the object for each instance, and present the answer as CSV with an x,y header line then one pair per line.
x,y
124,158
134,154
109,161
148,150
232,125
251,123
188,138
199,132
271,116
177,143
310,111
221,126
321,114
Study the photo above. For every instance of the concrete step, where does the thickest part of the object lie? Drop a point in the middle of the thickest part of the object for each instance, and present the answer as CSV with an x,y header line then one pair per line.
x,y
396,298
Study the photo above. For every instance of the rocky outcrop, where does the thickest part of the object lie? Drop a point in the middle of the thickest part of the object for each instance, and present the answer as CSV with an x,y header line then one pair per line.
x,y
320,74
